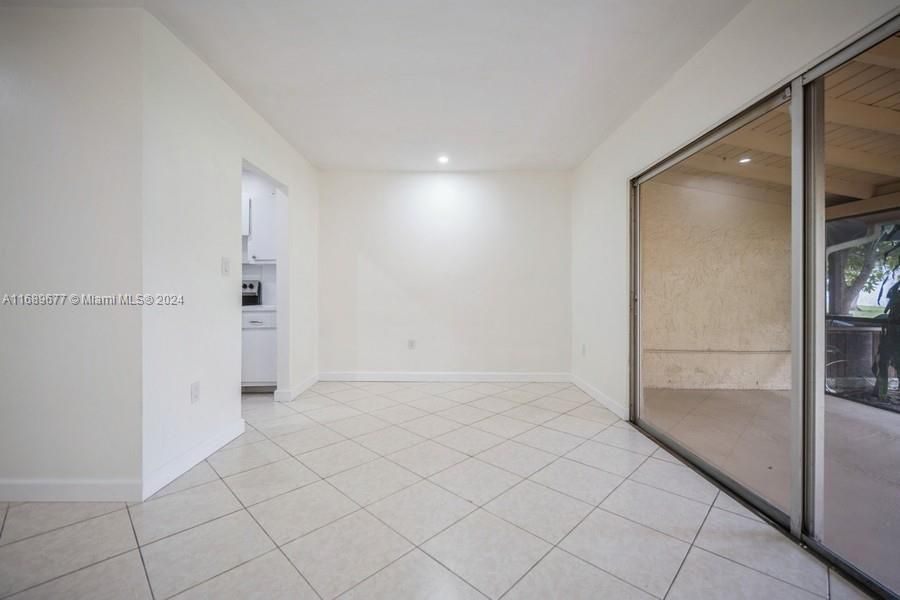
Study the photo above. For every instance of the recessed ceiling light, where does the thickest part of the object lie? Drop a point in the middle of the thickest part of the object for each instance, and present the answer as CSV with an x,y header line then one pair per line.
x,y
744,160
443,159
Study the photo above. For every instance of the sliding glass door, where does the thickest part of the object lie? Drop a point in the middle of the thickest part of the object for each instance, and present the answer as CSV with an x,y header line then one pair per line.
x,y
766,307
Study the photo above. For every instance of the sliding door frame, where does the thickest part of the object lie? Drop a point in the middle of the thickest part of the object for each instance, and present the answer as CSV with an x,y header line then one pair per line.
x,y
805,95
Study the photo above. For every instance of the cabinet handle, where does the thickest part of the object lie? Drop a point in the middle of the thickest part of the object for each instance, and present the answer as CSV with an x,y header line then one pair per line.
x,y
256,322
250,217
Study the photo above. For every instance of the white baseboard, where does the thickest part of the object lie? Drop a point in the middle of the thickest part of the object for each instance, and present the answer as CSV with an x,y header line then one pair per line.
x,y
443,376
176,467
292,392
70,490
618,409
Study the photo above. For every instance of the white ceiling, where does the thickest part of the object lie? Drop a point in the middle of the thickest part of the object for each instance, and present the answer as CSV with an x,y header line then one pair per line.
x,y
496,84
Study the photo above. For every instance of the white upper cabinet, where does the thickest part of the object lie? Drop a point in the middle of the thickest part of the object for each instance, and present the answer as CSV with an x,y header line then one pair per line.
x,y
262,212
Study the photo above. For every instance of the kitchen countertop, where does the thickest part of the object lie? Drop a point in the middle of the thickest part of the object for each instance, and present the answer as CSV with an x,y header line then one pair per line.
x,y
259,308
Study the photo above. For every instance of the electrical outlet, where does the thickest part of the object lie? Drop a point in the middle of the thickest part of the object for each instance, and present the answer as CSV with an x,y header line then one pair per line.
x,y
195,392
584,349
411,344
226,266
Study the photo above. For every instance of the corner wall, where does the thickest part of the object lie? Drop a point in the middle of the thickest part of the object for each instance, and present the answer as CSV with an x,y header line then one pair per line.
x,y
197,132
766,43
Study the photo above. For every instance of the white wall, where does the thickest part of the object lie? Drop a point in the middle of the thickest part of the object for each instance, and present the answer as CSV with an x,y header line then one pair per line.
x,y
197,132
70,191
120,171
474,267
768,42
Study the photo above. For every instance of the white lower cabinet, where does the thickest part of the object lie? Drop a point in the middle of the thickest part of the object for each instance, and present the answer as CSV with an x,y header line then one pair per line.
x,y
259,348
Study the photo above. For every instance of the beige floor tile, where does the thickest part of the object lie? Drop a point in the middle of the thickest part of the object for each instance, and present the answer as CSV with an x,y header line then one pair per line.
x,y
594,412
170,514
308,401
40,558
31,518
487,552
379,387
552,403
505,427
119,578
197,475
549,440
309,439
658,509
531,414
576,426
726,502
545,388
758,546
268,577
358,425
296,513
540,510
439,387
467,394
431,426
250,436
706,575
415,575
476,481
465,414
335,458
332,413
373,481
641,556
399,414
340,555
518,395
405,395
676,479
486,388
573,394
421,510
182,561
427,458
469,440
561,575
372,403
349,395
493,404
234,460
663,454
433,404
580,481
327,387
389,440
518,458
285,425
271,480
841,589
608,458
627,439
258,413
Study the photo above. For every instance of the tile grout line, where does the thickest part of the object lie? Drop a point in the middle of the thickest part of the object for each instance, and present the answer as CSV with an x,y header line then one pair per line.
x,y
85,520
137,543
72,572
690,547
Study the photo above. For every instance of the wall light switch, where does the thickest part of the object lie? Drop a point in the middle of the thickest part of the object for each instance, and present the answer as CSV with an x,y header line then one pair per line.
x,y
195,392
226,266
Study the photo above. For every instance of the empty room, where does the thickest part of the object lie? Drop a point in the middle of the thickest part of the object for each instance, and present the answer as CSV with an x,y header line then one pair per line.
x,y
414,299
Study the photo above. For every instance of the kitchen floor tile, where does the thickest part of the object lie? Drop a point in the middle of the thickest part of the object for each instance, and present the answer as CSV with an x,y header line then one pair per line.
x,y
608,458
469,440
118,578
627,439
431,426
415,575
465,414
531,414
269,577
584,428
170,514
234,460
335,458
358,425
675,515
31,518
518,458
389,440
309,440
549,440
198,474
399,414
505,427
676,479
